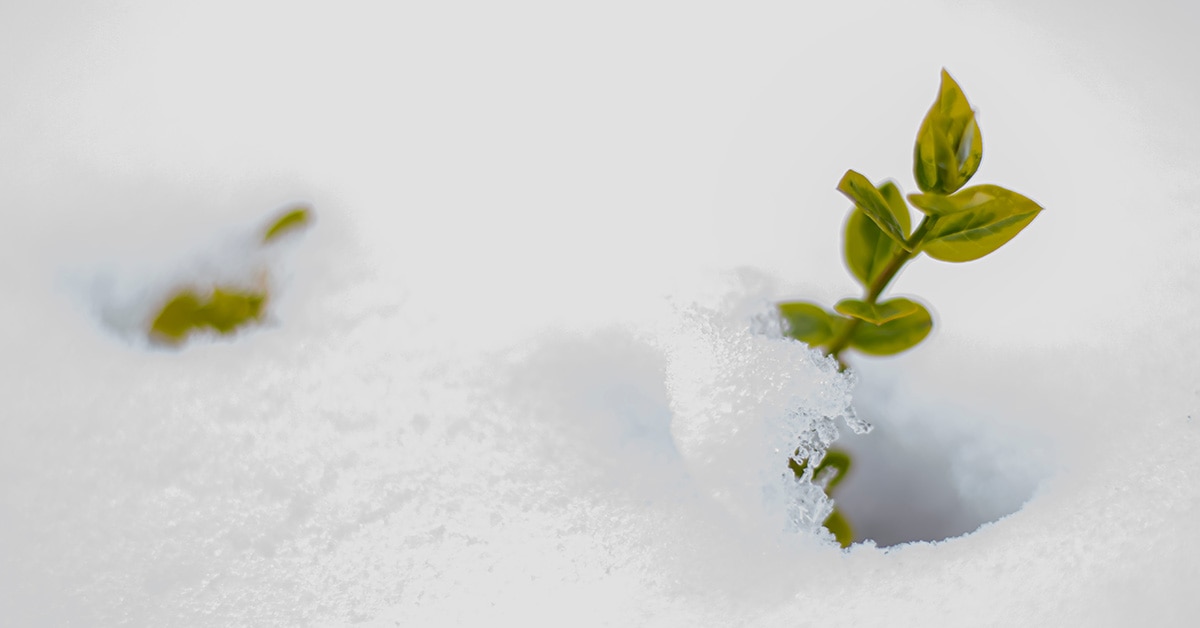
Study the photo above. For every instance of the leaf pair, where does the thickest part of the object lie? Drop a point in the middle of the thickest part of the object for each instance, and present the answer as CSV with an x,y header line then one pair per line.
x,y
878,329
877,229
883,205
963,226
226,308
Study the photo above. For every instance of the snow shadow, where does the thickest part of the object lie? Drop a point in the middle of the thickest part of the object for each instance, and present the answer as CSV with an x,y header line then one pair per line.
x,y
931,469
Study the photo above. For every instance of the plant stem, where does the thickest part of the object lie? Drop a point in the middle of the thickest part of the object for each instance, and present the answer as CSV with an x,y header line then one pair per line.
x,y
889,272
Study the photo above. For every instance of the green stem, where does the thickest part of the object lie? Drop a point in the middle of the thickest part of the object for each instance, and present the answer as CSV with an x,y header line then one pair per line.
x,y
889,272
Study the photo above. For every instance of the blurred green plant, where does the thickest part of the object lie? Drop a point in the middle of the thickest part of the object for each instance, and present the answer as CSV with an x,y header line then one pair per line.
x,y
957,225
222,309
291,220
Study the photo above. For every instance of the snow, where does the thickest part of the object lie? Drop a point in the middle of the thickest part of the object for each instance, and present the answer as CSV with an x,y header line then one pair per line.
x,y
518,370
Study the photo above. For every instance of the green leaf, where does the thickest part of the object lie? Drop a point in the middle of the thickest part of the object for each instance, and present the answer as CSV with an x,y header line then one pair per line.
x,y
807,322
866,249
949,145
225,310
985,218
895,200
933,204
296,218
837,460
868,198
840,528
877,313
894,336
177,318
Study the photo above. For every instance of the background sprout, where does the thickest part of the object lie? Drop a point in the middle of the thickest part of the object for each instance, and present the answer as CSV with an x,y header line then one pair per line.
x,y
222,309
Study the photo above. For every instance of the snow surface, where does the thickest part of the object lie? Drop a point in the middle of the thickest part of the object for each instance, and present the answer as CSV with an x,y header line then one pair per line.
x,y
509,375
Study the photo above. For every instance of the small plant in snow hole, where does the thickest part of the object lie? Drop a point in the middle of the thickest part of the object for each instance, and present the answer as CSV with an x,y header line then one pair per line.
x,y
222,308
957,225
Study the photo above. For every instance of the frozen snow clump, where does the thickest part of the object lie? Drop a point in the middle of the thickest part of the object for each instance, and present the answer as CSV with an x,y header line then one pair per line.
x,y
745,399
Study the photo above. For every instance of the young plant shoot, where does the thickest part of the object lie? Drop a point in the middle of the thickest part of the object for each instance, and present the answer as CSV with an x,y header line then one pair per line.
x,y
223,308
958,224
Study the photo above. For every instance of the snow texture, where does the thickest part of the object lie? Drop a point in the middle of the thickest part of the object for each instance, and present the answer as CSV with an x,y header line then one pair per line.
x,y
521,370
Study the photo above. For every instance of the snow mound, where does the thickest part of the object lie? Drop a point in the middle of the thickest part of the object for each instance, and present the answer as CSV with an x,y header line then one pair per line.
x,y
746,402
329,471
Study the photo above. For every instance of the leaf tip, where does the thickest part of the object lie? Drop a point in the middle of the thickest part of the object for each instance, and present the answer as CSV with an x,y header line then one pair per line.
x,y
293,219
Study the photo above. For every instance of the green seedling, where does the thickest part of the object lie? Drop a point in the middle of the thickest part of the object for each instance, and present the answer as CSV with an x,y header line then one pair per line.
x,y
957,225
221,309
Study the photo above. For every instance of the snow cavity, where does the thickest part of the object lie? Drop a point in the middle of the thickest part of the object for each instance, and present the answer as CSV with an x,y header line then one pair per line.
x,y
937,465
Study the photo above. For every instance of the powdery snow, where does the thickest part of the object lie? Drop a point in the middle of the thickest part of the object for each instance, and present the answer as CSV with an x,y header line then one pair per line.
x,y
518,370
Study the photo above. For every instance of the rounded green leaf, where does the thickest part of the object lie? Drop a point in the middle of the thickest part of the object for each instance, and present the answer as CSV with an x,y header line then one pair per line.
x,y
894,336
806,322
949,145
871,201
876,313
987,217
865,248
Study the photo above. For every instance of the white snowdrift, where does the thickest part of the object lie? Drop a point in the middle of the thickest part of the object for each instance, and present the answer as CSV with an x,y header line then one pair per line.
x,y
473,404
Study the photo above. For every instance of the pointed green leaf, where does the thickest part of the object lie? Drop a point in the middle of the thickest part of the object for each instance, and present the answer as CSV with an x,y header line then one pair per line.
x,y
893,336
866,249
986,217
878,313
292,220
949,145
807,322
868,198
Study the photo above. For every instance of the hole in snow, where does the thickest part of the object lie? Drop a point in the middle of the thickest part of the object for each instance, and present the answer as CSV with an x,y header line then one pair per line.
x,y
932,469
